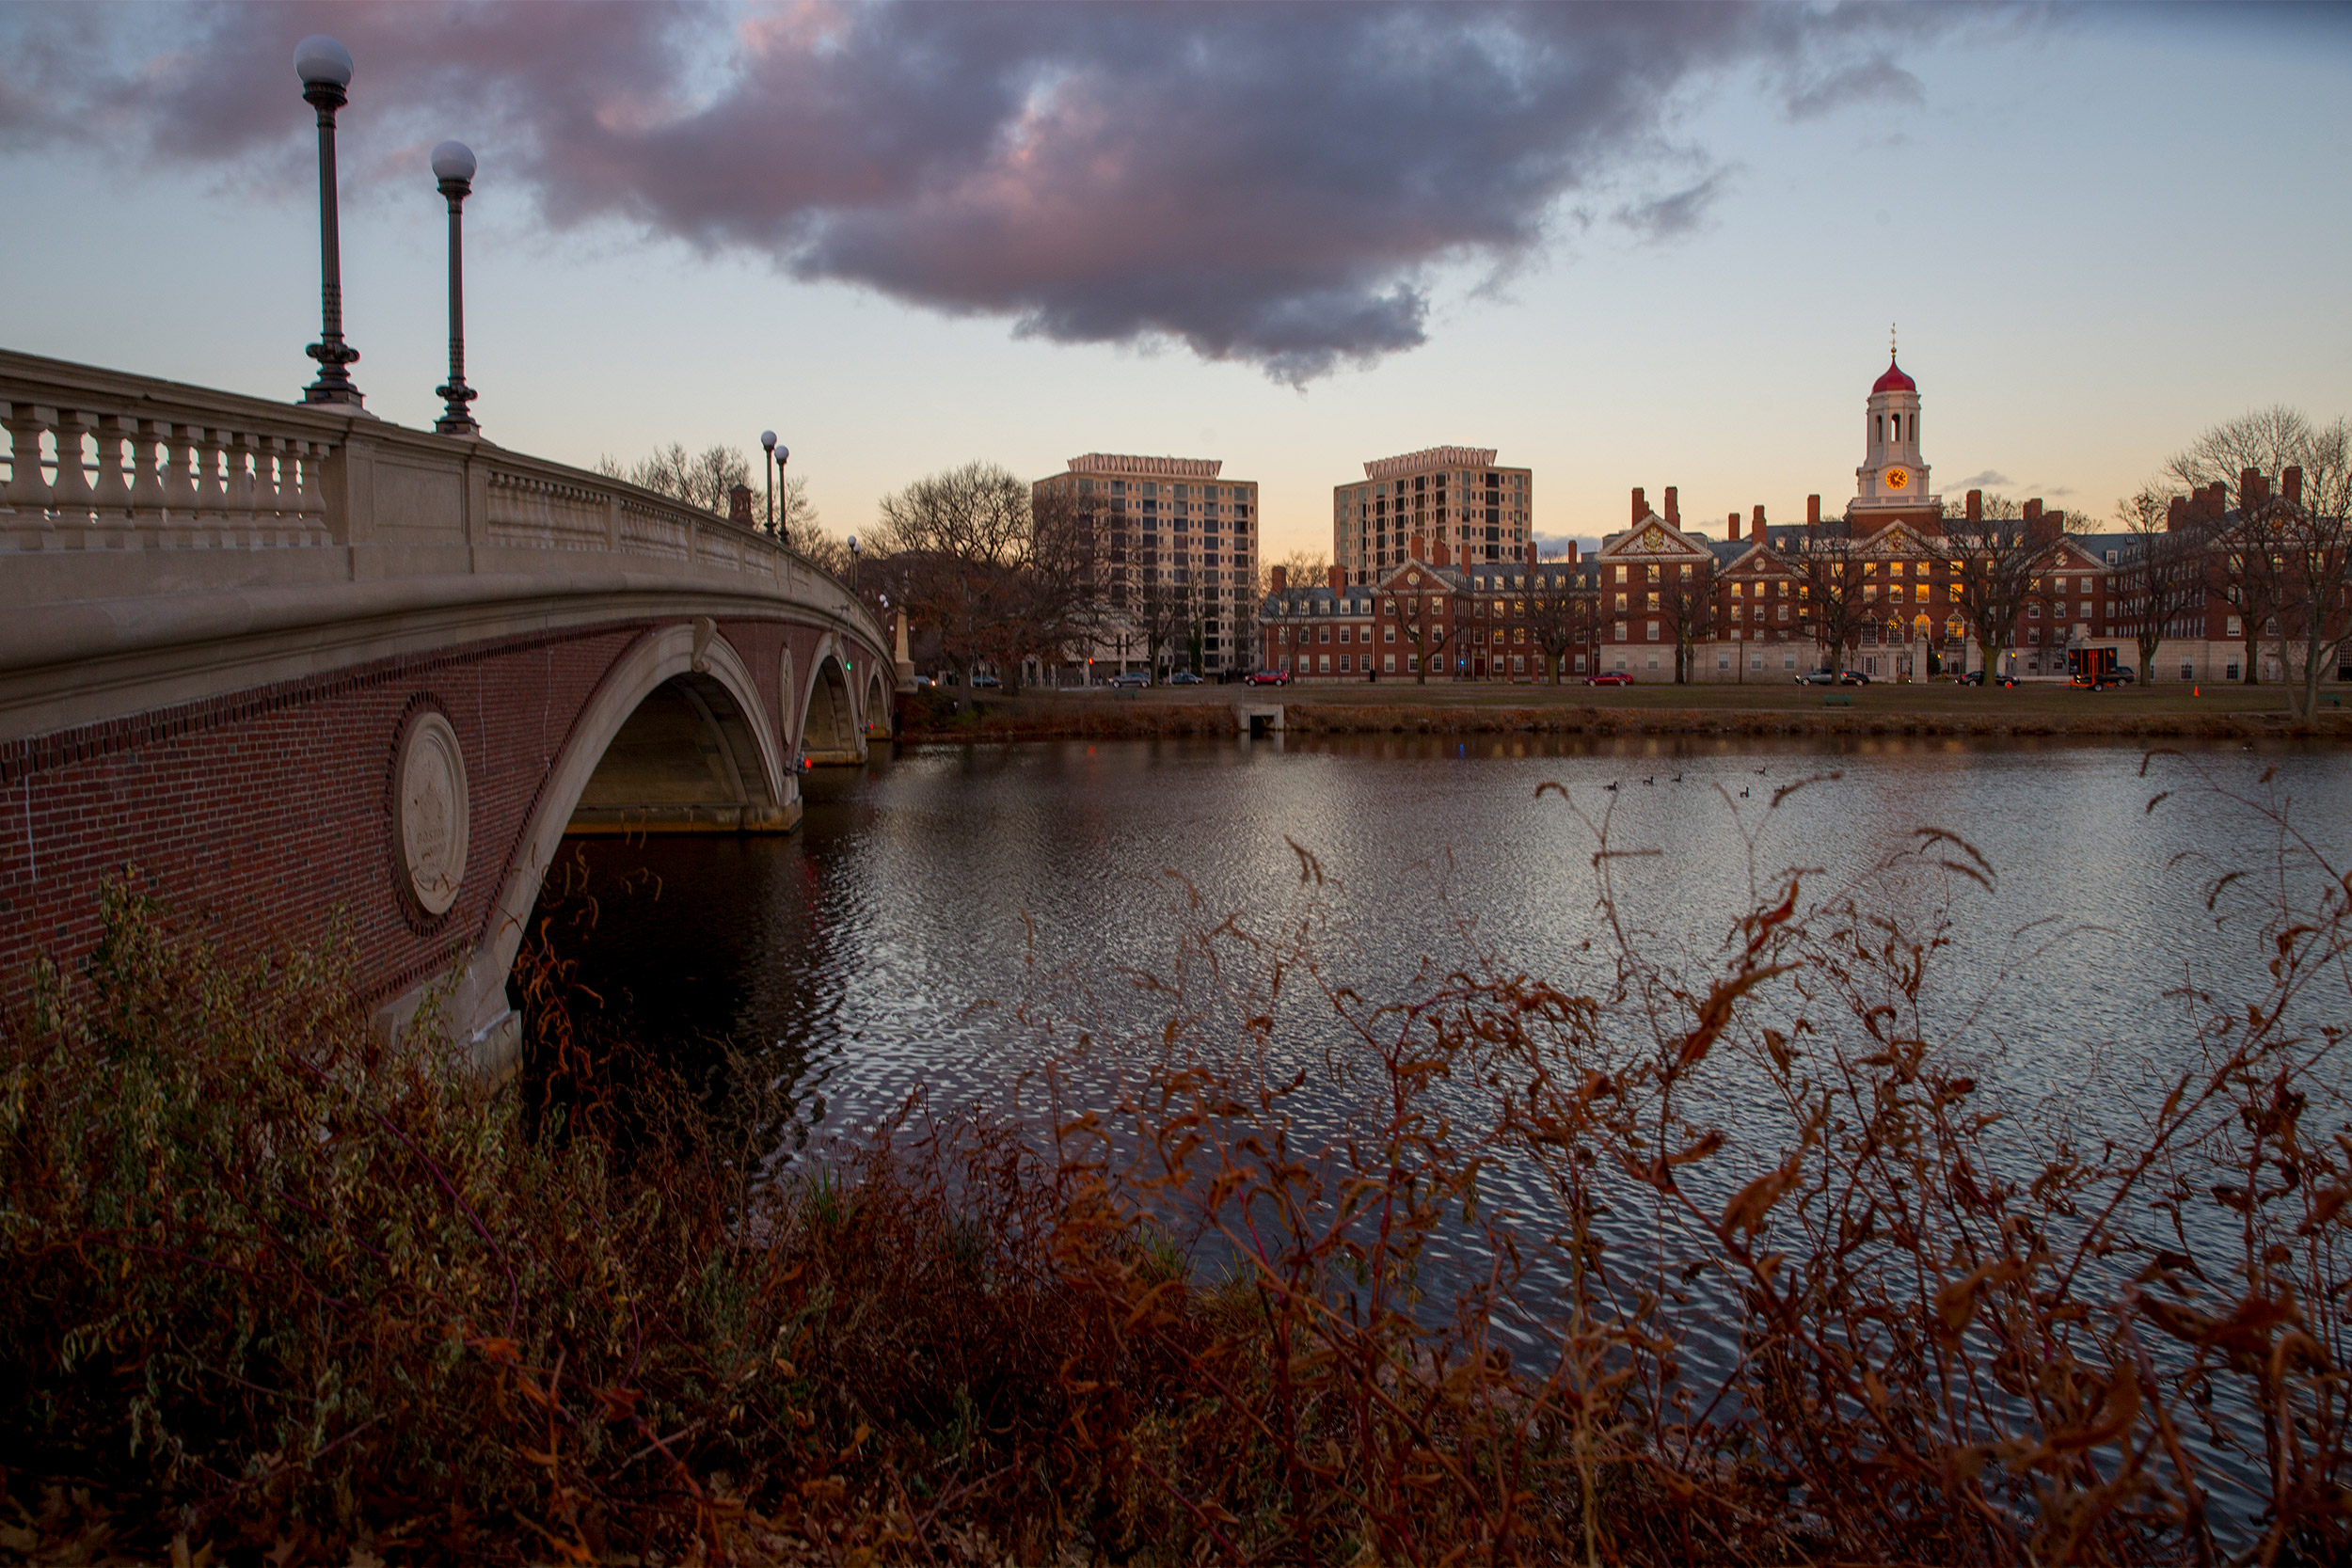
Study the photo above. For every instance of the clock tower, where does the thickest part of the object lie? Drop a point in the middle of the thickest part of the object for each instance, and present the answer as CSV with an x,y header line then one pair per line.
x,y
1893,478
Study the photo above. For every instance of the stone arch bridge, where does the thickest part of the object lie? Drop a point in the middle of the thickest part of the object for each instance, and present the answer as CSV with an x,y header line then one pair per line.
x,y
287,662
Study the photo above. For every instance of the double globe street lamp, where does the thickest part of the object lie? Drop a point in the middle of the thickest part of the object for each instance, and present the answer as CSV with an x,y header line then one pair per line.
x,y
324,66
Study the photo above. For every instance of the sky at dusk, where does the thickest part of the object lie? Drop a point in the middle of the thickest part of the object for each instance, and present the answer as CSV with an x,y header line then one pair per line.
x,y
1631,244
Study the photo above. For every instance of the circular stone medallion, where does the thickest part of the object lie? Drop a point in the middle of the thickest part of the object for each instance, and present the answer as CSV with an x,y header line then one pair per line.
x,y
429,812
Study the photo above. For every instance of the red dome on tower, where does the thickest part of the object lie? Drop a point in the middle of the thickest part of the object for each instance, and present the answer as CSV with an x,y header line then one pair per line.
x,y
1894,380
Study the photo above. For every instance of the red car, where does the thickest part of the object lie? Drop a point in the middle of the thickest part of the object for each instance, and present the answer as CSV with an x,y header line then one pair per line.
x,y
1610,677
1268,677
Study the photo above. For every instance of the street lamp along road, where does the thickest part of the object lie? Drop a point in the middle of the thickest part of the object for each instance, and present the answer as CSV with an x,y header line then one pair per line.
x,y
324,66
453,166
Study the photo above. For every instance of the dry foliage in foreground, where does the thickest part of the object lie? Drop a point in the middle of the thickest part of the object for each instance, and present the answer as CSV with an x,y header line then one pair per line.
x,y
1749,1262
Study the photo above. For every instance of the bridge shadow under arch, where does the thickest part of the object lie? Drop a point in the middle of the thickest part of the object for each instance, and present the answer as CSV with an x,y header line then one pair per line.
x,y
687,759
675,739
830,730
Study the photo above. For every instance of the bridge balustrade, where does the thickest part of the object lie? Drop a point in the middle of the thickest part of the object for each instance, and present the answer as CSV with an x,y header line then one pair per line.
x,y
101,462
214,517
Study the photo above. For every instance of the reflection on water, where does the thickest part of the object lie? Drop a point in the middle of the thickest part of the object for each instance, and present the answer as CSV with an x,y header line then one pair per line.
x,y
859,953
859,957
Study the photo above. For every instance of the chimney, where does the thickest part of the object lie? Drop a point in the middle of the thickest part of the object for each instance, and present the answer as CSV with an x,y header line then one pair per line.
x,y
1756,525
1673,512
1339,578
1641,505
2291,486
1278,577
1812,511
1420,549
1531,556
1975,506
2175,512
1731,528
2033,510
1571,552
1437,555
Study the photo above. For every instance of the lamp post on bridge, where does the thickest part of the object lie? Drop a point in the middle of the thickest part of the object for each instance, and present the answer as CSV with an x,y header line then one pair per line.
x,y
324,66
853,567
768,445
453,166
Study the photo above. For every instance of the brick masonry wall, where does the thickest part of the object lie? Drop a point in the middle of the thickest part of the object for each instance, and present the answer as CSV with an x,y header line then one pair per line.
x,y
262,816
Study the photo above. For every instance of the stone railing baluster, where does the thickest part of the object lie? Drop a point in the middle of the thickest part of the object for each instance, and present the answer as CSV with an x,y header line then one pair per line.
x,y
244,488
212,493
110,497
28,493
180,492
147,479
72,495
310,497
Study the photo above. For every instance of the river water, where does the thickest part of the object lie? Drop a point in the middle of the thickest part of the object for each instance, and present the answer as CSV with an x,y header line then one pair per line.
x,y
875,954
853,953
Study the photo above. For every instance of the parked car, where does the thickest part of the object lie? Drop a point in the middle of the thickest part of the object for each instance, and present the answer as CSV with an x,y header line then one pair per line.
x,y
1975,678
1268,677
1854,678
2123,672
1132,678
1818,677
1610,677
924,683
979,681
1184,677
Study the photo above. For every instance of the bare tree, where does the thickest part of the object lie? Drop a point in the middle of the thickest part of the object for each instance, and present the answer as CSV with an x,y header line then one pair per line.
x,y
1164,612
1422,619
956,543
1055,602
2162,575
2275,576
1306,568
1561,613
1686,598
1830,584
2301,548
1993,557
701,480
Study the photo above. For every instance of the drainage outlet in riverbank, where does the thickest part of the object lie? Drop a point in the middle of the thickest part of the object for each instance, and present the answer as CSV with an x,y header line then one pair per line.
x,y
1257,719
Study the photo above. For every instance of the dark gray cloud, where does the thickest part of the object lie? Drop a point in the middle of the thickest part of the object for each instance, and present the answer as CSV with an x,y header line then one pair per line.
x,y
1986,480
1664,218
1273,183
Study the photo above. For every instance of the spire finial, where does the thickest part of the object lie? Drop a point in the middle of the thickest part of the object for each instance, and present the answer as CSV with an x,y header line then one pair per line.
x,y
1890,340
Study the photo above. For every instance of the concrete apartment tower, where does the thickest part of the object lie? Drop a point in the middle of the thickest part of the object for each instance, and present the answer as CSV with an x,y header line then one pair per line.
x,y
1454,495
1177,522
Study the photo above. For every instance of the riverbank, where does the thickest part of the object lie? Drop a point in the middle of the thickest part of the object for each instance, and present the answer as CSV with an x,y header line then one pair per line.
x,y
1928,711
287,1290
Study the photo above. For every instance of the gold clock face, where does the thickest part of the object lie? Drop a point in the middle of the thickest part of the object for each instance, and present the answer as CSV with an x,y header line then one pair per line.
x,y
1897,479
